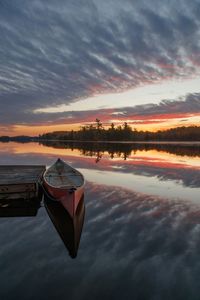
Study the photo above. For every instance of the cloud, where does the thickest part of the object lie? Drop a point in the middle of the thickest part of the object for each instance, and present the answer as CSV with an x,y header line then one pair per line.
x,y
56,53
140,114
165,110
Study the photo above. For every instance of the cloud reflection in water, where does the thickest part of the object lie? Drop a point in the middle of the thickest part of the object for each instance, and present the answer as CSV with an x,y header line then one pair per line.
x,y
142,246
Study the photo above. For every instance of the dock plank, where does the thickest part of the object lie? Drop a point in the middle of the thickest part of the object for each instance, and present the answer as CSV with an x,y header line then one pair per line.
x,y
20,174
17,188
20,181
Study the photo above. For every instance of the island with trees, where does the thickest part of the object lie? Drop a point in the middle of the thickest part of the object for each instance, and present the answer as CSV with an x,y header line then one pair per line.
x,y
122,133
96,132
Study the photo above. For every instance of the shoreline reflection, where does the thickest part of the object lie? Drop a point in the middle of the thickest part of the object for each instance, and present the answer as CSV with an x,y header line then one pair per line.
x,y
148,168
124,150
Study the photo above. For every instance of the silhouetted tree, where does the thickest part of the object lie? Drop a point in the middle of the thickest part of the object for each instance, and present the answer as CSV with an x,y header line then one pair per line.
x,y
96,132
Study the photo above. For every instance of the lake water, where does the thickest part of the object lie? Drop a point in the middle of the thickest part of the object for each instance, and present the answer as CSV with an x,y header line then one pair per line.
x,y
141,234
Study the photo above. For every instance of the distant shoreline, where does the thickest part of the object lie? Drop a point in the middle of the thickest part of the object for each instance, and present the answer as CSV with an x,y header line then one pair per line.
x,y
121,135
35,140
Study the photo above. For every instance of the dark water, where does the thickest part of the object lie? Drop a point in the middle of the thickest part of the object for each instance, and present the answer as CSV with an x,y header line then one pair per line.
x,y
141,235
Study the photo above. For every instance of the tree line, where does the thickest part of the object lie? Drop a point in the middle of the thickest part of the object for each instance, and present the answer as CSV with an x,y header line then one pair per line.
x,y
96,132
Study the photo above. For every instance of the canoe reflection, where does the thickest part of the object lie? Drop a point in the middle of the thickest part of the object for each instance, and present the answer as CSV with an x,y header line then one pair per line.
x,y
68,228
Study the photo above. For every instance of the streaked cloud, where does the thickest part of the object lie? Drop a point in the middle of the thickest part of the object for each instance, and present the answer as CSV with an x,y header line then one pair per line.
x,y
140,114
58,53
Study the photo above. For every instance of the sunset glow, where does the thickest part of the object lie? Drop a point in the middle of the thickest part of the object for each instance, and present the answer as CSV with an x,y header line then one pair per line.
x,y
152,123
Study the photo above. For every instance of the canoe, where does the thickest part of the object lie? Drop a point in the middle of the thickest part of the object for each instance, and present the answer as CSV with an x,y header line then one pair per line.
x,y
69,229
64,184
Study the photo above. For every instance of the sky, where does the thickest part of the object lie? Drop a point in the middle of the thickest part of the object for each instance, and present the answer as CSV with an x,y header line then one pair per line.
x,y
65,63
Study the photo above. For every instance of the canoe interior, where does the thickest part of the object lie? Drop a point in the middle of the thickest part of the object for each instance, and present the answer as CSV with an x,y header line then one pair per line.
x,y
61,175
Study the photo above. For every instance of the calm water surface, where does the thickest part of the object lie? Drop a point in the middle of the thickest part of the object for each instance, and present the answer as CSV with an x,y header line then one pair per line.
x,y
141,235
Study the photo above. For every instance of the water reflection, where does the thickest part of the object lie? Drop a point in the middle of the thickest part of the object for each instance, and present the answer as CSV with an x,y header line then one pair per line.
x,y
160,170
124,150
150,245
19,207
141,236
68,228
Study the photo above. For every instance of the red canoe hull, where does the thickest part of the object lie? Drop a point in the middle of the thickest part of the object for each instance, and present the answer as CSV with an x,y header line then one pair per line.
x,y
68,198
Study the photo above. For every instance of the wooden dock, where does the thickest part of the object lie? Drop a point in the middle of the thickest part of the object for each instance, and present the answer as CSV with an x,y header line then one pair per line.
x,y
20,191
